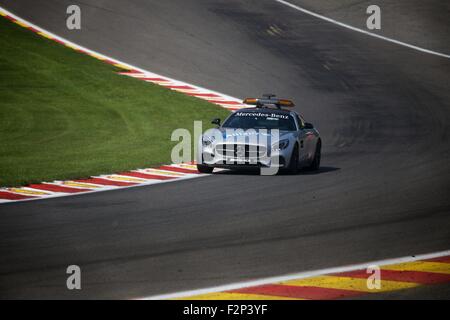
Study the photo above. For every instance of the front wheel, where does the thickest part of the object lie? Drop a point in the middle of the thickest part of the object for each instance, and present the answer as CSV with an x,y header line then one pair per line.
x,y
315,164
204,169
294,162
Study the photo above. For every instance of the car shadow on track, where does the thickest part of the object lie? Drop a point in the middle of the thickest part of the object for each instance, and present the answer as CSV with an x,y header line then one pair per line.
x,y
256,171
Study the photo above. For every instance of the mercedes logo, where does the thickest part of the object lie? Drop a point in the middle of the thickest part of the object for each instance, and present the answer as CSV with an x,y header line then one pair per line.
x,y
240,151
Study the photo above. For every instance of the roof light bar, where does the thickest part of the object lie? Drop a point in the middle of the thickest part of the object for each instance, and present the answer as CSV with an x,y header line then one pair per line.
x,y
268,99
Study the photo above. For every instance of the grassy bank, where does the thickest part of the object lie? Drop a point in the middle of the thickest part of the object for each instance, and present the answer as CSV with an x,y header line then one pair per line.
x,y
65,115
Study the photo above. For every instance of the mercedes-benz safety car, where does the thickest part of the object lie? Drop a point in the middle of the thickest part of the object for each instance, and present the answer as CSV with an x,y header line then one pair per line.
x,y
268,135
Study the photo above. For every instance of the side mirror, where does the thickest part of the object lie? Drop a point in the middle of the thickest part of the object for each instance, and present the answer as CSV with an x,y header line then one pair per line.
x,y
308,125
216,121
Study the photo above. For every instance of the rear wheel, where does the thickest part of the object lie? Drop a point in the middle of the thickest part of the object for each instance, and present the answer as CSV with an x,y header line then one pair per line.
x,y
315,164
204,169
294,162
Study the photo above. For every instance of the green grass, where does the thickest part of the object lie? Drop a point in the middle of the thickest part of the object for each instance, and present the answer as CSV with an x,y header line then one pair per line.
x,y
65,115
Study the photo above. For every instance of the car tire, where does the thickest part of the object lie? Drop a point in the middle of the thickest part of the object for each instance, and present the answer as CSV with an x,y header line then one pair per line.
x,y
294,161
204,169
315,164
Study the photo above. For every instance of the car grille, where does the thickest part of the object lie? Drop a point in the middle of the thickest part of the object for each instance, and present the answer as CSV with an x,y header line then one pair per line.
x,y
241,151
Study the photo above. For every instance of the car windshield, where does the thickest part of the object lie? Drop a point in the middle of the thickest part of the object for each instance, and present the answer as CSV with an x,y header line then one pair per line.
x,y
260,120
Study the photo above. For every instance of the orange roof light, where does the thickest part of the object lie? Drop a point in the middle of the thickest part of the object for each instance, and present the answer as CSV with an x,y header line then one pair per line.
x,y
250,101
285,103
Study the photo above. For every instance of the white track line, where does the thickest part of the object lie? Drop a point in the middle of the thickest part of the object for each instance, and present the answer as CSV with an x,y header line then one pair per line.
x,y
301,275
293,6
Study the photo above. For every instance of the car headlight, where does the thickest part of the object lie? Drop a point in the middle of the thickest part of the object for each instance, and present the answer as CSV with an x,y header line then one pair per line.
x,y
207,141
280,145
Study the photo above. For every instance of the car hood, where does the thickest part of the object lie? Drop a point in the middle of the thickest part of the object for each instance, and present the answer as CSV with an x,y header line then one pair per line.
x,y
229,135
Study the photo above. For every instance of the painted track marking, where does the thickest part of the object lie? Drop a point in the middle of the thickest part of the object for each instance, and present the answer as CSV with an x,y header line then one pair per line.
x,y
404,44
334,281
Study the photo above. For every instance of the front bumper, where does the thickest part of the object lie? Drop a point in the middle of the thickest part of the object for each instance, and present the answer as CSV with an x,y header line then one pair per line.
x,y
212,158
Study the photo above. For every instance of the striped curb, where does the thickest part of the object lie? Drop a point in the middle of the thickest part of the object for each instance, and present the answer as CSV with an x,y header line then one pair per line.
x,y
339,285
121,180
138,177
224,101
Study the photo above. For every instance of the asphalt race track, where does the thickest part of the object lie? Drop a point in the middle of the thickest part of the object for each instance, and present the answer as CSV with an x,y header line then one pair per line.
x,y
383,192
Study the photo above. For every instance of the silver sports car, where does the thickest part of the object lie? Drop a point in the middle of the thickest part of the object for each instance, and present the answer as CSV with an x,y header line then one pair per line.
x,y
267,136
